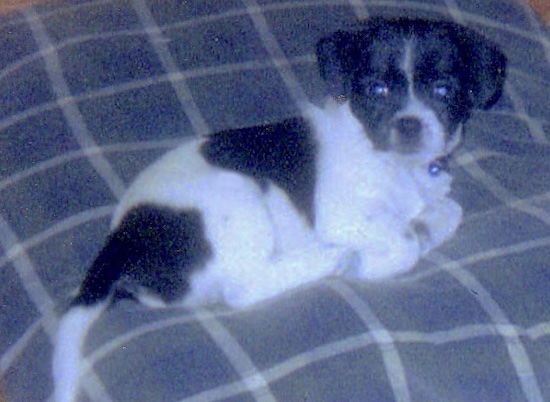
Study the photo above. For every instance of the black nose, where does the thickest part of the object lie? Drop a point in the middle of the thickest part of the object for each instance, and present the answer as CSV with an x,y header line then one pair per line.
x,y
408,128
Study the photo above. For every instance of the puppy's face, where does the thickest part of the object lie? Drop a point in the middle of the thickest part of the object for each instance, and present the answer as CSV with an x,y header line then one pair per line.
x,y
412,83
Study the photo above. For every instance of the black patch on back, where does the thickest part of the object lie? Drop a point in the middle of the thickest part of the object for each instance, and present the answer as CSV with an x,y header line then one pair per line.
x,y
153,247
283,153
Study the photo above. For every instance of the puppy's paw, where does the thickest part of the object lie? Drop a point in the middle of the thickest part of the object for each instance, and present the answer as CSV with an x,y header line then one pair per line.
x,y
242,296
422,232
349,265
435,226
383,261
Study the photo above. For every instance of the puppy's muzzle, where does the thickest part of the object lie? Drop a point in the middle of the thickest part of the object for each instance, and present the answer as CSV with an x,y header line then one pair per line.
x,y
407,134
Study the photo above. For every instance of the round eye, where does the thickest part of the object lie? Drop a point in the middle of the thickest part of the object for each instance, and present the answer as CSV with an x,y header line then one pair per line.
x,y
381,89
434,169
441,89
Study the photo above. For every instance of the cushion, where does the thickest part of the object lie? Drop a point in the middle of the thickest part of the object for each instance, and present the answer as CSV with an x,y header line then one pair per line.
x,y
91,92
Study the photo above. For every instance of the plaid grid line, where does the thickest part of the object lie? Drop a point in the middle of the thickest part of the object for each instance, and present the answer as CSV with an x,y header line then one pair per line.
x,y
517,352
185,74
287,367
82,135
359,7
516,349
535,125
327,351
539,28
182,90
275,52
505,196
17,349
28,276
144,83
70,110
255,380
19,248
42,167
251,377
383,338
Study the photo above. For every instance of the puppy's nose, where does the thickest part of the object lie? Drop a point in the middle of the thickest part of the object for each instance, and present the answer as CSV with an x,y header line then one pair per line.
x,y
409,128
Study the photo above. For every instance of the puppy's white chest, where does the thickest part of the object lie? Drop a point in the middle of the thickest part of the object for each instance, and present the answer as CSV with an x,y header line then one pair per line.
x,y
357,187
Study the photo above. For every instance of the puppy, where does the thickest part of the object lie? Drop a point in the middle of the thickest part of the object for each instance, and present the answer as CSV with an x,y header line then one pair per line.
x,y
356,187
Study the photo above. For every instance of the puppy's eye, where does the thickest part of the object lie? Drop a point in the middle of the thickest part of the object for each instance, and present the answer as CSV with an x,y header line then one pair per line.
x,y
380,89
441,89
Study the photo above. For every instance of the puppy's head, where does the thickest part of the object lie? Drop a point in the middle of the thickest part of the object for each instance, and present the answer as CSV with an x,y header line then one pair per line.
x,y
412,83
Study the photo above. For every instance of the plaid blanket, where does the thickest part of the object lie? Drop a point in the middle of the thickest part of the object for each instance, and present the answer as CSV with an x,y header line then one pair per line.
x,y
93,91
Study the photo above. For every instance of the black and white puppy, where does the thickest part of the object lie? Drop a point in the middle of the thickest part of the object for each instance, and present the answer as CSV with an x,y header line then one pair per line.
x,y
353,188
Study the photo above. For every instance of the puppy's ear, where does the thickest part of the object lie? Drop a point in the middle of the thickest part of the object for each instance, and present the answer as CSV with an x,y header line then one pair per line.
x,y
334,57
487,68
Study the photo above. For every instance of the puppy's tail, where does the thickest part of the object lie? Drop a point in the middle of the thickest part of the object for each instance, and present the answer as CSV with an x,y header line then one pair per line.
x,y
68,359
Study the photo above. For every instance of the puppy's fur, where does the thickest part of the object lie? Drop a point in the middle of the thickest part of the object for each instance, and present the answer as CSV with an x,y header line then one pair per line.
x,y
353,188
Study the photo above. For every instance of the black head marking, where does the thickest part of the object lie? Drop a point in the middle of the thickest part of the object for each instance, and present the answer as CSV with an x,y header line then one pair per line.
x,y
335,56
380,65
345,53
486,66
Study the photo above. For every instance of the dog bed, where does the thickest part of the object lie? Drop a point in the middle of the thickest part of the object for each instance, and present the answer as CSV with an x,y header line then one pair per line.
x,y
91,92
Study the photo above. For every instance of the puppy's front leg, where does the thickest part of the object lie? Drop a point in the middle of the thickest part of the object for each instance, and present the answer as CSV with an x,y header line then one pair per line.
x,y
385,248
437,224
383,260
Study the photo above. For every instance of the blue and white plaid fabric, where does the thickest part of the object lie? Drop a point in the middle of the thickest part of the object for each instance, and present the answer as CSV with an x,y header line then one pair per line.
x,y
93,91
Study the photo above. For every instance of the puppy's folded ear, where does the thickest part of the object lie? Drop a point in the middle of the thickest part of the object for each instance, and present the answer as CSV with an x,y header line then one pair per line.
x,y
487,68
335,57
